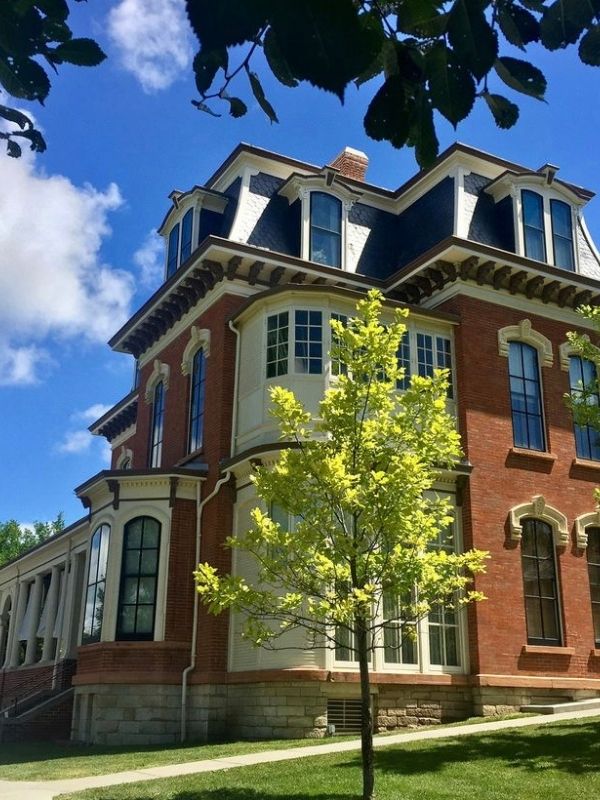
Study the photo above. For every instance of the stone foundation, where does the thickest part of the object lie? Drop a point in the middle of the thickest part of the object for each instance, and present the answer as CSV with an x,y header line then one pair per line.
x,y
121,714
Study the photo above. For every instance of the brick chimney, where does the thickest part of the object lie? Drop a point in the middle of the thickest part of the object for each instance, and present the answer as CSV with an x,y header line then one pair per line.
x,y
351,163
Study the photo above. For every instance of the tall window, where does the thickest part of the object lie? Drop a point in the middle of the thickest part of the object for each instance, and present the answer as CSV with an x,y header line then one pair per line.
x,y
186,236
198,380
540,585
562,234
533,225
582,379
525,396
403,356
337,367
593,559
156,432
325,229
399,633
139,573
172,251
443,620
308,345
434,352
277,344
96,584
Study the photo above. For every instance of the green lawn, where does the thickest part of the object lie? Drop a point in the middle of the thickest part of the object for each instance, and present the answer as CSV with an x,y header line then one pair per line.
x,y
551,762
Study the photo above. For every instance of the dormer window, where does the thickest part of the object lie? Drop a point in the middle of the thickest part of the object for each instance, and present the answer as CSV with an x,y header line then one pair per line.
x,y
533,225
172,251
562,234
546,212
186,236
325,229
325,202
535,234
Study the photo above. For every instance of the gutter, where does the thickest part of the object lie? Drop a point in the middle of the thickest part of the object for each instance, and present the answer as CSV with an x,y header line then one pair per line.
x,y
200,504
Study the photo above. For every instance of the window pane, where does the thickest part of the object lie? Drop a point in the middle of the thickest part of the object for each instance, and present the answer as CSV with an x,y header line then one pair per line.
x,y
562,234
186,236
539,582
172,251
582,379
325,229
94,603
137,599
424,355
337,368
156,434
277,347
197,383
308,347
533,225
525,396
403,355
593,559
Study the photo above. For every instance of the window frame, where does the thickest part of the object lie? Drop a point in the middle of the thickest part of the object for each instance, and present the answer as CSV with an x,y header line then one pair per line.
x,y
173,261
104,532
594,530
574,390
547,197
157,427
544,641
120,635
339,235
526,413
197,402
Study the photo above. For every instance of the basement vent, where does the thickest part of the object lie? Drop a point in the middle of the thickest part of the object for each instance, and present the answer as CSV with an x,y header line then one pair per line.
x,y
344,714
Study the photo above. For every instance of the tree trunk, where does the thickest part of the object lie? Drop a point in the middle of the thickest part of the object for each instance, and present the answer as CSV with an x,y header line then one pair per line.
x,y
366,735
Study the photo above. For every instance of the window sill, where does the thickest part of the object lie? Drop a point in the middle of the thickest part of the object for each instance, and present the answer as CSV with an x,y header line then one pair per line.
x,y
540,455
586,464
547,650
595,653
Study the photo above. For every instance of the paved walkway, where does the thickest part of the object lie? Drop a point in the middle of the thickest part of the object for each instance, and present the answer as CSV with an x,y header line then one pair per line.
x,y
46,790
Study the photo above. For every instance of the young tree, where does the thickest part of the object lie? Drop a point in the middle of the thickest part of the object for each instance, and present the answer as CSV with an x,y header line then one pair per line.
x,y
16,539
358,479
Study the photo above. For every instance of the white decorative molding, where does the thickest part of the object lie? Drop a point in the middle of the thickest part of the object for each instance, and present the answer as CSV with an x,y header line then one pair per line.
x,y
158,374
581,524
125,460
539,509
566,350
300,187
199,338
523,332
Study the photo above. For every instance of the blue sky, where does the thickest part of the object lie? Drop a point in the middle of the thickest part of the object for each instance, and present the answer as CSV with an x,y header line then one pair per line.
x,y
77,252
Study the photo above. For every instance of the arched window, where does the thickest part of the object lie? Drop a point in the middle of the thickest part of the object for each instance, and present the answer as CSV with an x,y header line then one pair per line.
x,y
325,229
582,380
172,251
540,584
96,584
139,573
197,384
156,431
562,234
526,396
593,559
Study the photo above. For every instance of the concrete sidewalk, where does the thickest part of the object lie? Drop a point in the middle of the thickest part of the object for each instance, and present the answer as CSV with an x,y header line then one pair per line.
x,y
46,790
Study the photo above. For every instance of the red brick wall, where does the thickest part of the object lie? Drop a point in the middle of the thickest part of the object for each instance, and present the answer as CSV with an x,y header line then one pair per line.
x,y
220,371
131,662
180,585
500,481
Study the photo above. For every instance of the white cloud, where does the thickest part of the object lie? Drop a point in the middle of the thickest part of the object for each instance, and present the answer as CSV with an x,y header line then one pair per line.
x,y
53,282
80,440
19,366
154,40
149,259
75,442
92,413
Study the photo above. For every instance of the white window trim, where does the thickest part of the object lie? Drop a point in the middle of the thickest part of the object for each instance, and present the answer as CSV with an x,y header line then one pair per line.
x,y
199,339
159,373
566,350
584,521
537,508
523,332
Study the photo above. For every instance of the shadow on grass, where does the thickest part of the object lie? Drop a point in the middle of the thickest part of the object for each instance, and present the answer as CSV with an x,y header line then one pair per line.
x,y
571,748
243,793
